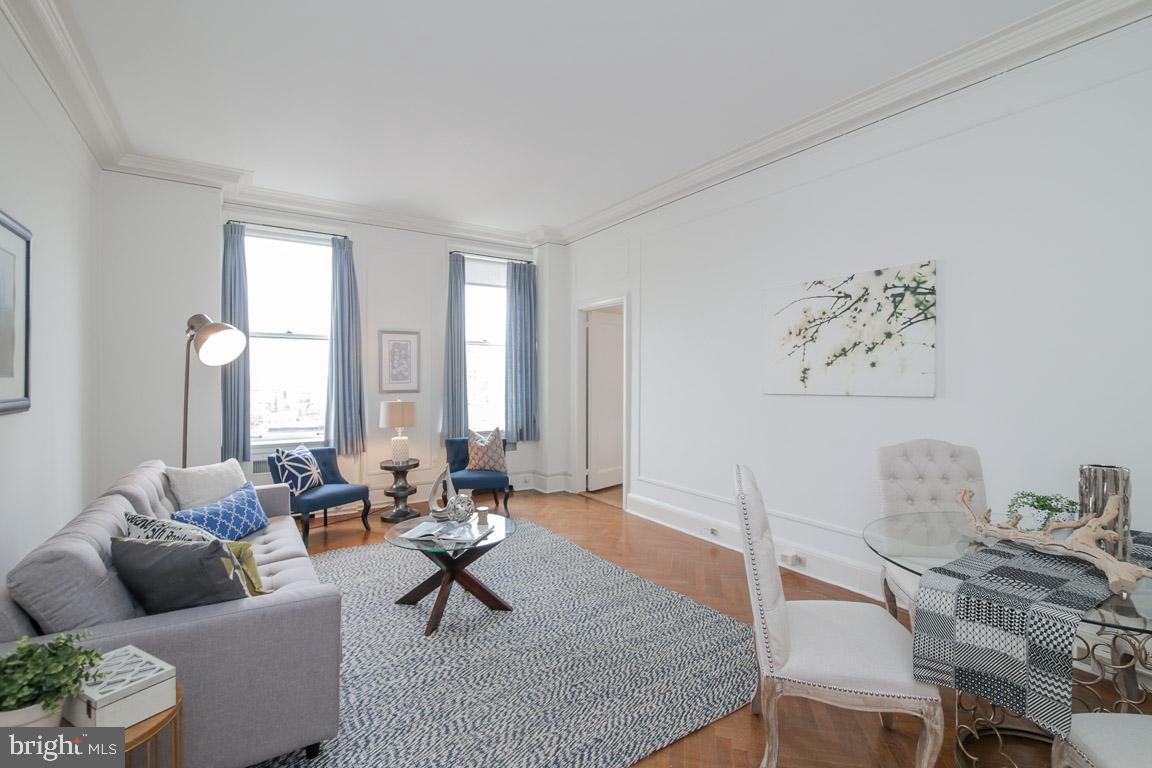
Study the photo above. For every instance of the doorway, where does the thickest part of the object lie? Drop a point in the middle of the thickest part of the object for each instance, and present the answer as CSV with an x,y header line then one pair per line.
x,y
604,403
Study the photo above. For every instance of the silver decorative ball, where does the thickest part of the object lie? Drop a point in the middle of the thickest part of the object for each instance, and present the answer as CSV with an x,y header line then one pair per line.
x,y
460,508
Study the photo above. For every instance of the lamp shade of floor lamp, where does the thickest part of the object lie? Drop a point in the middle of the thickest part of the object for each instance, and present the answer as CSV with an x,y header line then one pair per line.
x,y
398,415
216,344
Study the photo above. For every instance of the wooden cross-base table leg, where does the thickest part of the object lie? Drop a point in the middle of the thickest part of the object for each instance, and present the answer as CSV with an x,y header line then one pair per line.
x,y
452,570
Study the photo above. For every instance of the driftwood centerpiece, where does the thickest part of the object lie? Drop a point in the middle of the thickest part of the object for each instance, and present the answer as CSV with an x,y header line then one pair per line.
x,y
1082,543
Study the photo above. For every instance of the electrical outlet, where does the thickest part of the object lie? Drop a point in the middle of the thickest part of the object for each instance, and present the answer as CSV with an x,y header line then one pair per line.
x,y
792,560
713,531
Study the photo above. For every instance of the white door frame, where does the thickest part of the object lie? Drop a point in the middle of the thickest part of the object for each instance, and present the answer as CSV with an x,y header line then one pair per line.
x,y
580,390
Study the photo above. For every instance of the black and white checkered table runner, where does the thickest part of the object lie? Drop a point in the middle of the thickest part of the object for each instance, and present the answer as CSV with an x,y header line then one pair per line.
x,y
1000,622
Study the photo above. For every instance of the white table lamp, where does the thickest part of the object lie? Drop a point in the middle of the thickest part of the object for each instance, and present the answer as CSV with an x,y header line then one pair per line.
x,y
398,414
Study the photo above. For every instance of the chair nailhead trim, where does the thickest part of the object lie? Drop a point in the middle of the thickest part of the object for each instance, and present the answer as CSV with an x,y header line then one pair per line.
x,y
743,499
856,691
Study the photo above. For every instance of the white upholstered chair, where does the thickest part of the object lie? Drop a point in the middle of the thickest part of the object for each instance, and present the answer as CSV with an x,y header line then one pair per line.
x,y
851,655
1105,740
924,476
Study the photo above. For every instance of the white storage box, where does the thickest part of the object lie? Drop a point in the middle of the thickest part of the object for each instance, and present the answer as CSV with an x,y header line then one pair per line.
x,y
136,685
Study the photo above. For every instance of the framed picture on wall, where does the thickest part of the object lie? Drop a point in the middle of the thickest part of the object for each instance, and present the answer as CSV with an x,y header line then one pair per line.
x,y
15,264
399,361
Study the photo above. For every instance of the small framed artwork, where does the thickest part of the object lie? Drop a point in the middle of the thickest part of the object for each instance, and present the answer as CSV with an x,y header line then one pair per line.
x,y
15,264
399,361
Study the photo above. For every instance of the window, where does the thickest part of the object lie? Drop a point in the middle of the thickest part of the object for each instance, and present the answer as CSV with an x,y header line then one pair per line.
x,y
289,318
485,329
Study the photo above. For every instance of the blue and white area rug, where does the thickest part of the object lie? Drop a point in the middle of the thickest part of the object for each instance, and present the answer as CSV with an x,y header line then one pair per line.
x,y
594,666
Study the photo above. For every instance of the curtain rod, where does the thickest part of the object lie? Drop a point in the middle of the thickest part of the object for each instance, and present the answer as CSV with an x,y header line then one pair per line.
x,y
487,257
290,229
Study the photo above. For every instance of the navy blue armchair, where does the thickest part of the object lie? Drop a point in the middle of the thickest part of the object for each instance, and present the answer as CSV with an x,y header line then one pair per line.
x,y
335,491
476,479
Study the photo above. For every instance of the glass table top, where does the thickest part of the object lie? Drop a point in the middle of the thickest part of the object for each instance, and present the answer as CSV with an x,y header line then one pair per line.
x,y
502,528
921,540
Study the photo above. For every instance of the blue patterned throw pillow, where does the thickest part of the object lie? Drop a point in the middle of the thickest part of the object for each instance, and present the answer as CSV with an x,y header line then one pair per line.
x,y
232,518
299,468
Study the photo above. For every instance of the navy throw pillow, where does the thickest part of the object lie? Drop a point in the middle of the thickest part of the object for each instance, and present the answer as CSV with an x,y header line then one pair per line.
x,y
298,468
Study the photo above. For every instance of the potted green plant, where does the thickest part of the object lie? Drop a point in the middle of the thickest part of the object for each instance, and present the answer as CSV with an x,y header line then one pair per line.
x,y
1038,510
37,677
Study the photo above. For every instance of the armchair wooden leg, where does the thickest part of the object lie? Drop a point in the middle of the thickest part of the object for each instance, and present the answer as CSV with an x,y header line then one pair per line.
x,y
325,517
364,515
769,697
507,495
890,599
932,737
304,520
312,751
496,499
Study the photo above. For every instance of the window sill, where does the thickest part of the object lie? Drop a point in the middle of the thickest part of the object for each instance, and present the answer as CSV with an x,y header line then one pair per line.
x,y
261,451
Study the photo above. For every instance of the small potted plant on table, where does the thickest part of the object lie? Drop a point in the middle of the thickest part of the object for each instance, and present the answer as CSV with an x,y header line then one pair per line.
x,y
37,677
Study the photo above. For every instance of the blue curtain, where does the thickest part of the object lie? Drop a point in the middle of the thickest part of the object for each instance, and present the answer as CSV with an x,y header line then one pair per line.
x,y
234,376
522,388
345,425
455,354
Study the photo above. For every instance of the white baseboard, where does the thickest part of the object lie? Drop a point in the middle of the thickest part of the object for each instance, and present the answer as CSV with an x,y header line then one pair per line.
x,y
853,575
556,483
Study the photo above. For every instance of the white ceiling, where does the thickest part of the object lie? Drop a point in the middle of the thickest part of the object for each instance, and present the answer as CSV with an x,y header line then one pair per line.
x,y
506,113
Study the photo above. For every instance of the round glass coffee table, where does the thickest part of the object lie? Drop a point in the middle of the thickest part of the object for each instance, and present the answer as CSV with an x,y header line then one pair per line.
x,y
452,561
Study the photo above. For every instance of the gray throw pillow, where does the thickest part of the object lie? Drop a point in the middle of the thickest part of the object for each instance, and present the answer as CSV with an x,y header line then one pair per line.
x,y
171,575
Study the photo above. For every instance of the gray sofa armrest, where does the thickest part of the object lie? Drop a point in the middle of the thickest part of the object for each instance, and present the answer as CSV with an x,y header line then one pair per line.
x,y
261,675
276,499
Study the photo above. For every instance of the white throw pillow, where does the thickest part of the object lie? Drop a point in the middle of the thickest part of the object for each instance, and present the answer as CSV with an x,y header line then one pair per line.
x,y
197,486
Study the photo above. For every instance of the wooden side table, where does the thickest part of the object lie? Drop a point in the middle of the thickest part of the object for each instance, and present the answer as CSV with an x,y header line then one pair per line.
x,y
400,491
145,736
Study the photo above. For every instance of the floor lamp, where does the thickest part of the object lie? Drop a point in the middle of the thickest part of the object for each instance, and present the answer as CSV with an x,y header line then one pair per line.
x,y
216,344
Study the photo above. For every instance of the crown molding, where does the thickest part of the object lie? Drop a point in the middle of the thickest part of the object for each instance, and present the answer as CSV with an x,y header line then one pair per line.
x,y
187,171
45,36
1043,34
257,198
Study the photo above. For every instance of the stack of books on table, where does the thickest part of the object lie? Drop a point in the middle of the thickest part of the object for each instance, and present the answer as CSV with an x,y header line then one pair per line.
x,y
450,535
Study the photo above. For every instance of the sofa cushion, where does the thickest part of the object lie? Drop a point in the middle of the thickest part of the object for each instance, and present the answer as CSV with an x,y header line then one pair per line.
x,y
232,517
286,574
67,583
279,540
197,486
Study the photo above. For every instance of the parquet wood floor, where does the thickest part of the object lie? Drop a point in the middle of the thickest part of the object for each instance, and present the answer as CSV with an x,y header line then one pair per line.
x,y
812,735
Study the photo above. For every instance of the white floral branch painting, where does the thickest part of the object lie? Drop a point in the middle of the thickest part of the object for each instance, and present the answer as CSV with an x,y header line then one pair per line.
x,y
872,333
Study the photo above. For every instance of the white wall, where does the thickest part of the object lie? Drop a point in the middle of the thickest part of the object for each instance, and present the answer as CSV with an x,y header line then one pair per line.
x,y
1032,191
48,185
160,262
162,245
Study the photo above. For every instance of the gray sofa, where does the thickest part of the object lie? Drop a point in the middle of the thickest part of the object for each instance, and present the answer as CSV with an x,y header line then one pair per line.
x,y
261,675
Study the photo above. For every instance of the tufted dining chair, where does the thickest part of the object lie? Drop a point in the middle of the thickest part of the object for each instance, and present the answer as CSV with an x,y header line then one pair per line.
x,y
1105,740
923,476
847,654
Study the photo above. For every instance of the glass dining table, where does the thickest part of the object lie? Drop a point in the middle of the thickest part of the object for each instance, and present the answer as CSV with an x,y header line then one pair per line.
x,y
1112,652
